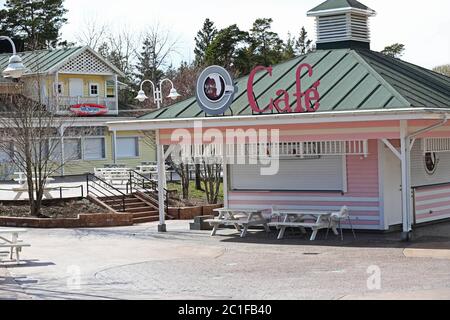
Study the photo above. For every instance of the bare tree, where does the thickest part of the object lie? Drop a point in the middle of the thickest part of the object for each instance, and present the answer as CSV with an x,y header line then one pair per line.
x,y
212,180
30,135
92,33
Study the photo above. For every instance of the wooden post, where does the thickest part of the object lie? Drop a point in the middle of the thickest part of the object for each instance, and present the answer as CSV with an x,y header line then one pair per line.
x,y
406,180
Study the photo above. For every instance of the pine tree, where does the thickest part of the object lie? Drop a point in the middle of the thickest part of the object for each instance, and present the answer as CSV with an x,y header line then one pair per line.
x,y
148,63
395,51
36,22
303,45
203,39
289,48
266,45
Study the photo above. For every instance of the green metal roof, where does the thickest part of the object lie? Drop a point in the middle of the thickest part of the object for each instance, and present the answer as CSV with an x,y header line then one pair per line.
x,y
41,61
350,80
45,61
340,4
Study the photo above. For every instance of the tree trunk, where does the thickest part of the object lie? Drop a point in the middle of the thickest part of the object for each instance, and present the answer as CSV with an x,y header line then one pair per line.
x,y
198,177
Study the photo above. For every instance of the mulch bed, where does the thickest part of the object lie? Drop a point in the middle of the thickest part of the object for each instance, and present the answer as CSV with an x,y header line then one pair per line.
x,y
68,209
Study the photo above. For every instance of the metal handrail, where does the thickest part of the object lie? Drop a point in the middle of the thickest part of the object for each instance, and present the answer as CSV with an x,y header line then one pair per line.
x,y
154,185
97,184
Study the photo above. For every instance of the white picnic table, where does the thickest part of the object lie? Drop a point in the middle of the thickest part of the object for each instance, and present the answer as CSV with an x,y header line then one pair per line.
x,y
297,218
113,175
23,186
241,219
9,238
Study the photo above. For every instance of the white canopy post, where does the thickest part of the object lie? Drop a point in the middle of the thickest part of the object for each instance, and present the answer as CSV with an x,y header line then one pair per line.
x,y
114,137
225,175
161,183
406,180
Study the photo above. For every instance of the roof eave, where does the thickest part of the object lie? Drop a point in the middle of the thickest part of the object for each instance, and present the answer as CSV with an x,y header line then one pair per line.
x,y
273,119
330,12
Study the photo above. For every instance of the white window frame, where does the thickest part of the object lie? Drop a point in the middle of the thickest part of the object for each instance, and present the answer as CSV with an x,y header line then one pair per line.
x,y
91,84
83,146
137,145
106,90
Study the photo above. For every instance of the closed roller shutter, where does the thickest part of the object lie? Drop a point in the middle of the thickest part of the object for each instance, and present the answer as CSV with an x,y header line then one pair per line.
x,y
324,174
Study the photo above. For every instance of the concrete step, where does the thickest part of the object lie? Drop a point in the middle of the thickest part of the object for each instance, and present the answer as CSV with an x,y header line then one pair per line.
x,y
145,214
140,209
146,219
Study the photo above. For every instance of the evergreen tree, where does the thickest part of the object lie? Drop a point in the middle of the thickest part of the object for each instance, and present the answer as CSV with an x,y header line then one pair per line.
x,y
148,63
289,48
226,47
266,45
203,39
395,51
36,22
303,45
444,69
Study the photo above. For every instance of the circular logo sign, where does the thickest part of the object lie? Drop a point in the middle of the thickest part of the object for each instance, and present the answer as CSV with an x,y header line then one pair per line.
x,y
431,162
215,90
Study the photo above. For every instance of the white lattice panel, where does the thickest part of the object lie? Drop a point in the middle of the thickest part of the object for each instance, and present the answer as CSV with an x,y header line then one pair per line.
x,y
291,149
86,62
436,145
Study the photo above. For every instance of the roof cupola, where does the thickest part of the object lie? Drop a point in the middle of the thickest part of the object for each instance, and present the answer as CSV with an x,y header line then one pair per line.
x,y
342,24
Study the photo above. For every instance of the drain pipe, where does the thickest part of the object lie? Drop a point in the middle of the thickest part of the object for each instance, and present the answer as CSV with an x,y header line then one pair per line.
x,y
407,141
430,128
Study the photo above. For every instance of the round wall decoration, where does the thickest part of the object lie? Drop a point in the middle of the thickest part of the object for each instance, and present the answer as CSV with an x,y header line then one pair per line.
x,y
431,162
215,90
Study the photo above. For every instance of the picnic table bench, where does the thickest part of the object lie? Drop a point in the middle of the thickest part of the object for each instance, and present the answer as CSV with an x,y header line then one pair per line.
x,y
113,175
23,186
13,244
241,219
299,219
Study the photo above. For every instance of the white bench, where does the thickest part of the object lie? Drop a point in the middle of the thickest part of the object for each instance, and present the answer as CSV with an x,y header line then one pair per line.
x,y
21,190
113,175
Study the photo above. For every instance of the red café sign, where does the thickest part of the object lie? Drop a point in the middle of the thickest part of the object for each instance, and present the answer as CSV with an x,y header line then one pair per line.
x,y
307,101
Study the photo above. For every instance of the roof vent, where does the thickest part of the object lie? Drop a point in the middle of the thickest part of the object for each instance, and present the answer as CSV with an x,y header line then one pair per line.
x,y
342,24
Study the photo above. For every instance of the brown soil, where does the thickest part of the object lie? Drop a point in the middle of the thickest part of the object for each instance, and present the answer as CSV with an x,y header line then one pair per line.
x,y
69,209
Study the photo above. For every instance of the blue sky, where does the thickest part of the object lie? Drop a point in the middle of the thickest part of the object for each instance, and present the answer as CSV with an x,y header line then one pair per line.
x,y
424,30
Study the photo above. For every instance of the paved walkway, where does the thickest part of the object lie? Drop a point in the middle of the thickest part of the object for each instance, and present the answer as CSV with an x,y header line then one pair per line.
x,y
139,263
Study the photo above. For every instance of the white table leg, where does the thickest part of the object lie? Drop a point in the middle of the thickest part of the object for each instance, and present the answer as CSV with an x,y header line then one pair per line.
x,y
15,237
244,231
281,234
214,231
314,234
18,195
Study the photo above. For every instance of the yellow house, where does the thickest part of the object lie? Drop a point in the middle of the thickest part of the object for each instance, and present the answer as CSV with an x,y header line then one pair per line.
x,y
80,83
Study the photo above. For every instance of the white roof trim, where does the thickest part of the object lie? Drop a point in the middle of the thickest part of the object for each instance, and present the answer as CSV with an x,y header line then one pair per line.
x,y
331,12
279,119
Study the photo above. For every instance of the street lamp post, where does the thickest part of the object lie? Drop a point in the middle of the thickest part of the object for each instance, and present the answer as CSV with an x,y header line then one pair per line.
x,y
15,68
157,92
158,99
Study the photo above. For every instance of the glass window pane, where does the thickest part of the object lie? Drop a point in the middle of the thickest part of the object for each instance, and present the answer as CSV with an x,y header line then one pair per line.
x,y
94,148
127,147
72,149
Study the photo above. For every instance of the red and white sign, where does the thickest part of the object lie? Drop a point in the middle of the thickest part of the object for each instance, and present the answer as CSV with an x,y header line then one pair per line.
x,y
307,101
89,109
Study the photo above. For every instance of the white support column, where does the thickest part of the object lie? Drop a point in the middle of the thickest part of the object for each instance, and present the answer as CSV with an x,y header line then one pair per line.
x,y
56,91
114,145
161,183
225,176
116,93
61,141
406,179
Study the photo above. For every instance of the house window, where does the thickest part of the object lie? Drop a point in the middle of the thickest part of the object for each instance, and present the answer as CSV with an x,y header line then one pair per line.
x,y
94,149
110,89
127,147
93,89
72,149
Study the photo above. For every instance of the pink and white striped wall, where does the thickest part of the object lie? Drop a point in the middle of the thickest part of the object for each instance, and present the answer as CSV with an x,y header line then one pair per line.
x,y
432,203
362,198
